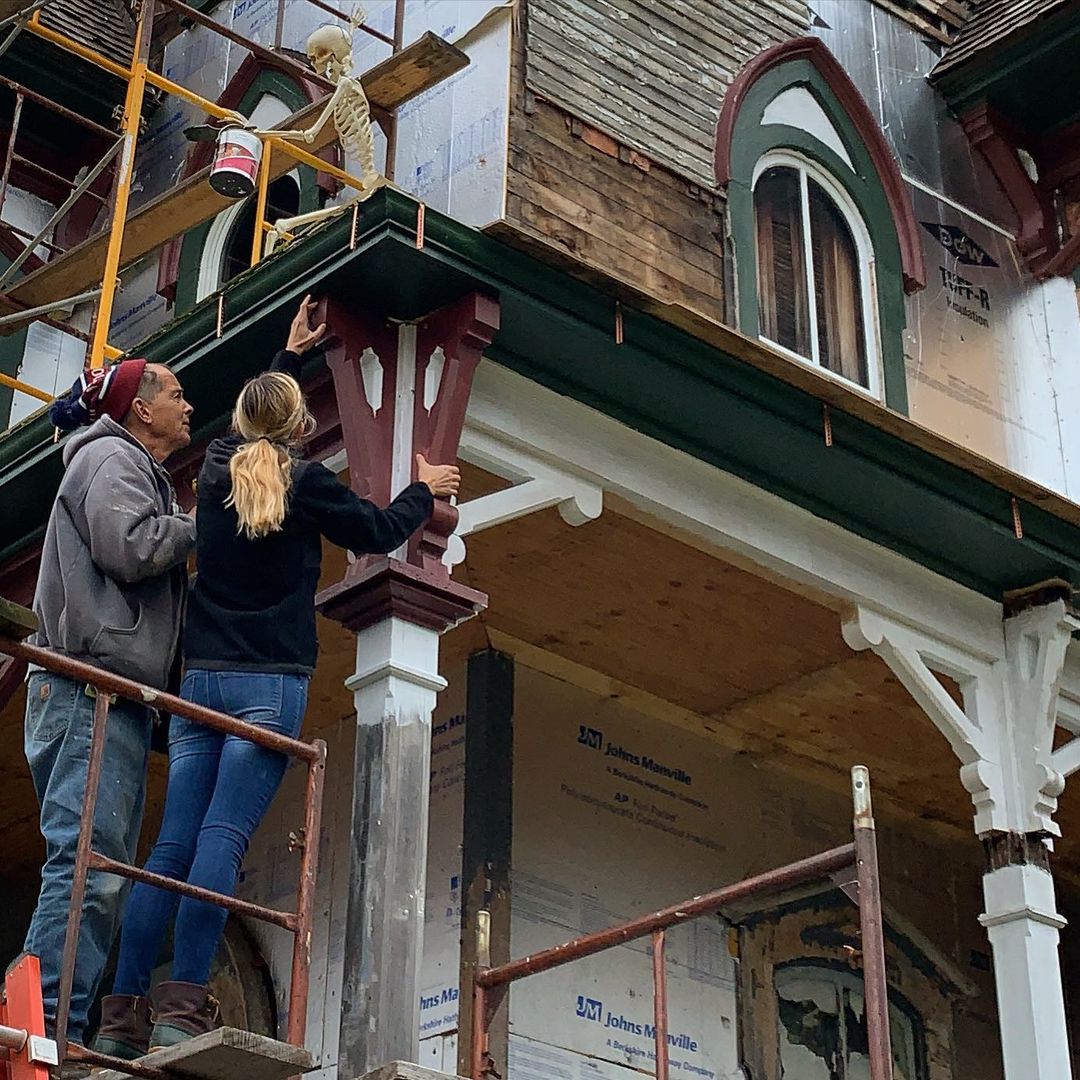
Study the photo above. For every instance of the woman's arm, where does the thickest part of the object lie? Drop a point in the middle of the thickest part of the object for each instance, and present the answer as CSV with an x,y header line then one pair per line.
x,y
356,524
301,338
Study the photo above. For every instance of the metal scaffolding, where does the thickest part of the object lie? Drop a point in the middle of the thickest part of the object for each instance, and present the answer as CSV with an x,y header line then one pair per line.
x,y
138,76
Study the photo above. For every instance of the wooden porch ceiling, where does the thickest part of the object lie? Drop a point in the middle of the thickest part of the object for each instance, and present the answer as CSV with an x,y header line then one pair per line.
x,y
681,636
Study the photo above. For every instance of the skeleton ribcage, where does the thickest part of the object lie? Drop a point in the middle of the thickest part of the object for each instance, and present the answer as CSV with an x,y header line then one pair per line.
x,y
352,119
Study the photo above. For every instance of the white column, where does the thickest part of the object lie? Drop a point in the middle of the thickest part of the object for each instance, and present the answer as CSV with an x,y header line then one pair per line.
x,y
1004,738
395,688
1022,923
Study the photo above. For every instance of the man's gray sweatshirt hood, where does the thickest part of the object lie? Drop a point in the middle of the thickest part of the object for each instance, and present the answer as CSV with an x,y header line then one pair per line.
x,y
112,582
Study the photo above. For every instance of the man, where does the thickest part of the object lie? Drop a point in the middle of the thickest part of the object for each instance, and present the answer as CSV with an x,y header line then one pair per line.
x,y
110,592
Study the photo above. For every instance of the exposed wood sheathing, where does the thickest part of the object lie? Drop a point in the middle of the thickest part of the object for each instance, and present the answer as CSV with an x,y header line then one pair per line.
x,y
652,73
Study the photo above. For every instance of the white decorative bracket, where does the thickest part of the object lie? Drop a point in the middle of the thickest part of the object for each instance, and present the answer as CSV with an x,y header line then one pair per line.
x,y
1003,731
537,485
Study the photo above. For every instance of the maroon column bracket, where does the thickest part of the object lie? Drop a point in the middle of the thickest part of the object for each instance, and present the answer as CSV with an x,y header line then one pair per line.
x,y
999,143
415,409
367,428
460,331
387,587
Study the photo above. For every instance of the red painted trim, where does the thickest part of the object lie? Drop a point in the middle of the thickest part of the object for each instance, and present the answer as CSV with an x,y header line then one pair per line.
x,y
12,246
12,674
992,135
1064,262
387,588
817,53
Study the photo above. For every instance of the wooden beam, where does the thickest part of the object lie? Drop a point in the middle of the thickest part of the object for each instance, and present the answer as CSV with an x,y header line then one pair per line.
x,y
421,65
16,621
486,846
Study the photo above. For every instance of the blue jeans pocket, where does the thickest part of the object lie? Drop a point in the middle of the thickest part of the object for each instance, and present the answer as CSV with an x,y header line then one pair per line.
x,y
50,706
254,697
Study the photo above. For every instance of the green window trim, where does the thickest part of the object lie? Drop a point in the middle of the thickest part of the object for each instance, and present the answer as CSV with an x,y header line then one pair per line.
x,y
751,141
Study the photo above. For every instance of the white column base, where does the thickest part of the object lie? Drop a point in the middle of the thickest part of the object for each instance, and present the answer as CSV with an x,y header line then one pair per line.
x,y
1023,925
395,689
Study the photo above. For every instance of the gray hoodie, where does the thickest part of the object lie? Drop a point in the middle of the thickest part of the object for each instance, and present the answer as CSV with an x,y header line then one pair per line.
x,y
112,583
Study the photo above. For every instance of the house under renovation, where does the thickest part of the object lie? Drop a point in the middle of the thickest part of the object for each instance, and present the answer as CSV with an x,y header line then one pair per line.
x,y
753,325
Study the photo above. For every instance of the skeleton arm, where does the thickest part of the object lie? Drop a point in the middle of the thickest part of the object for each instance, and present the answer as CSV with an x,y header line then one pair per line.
x,y
308,134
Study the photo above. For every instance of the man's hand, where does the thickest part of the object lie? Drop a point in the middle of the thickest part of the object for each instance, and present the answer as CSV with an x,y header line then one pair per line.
x,y
442,480
301,336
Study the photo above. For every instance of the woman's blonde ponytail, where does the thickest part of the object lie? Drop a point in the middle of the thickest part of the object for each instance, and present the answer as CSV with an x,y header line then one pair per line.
x,y
261,474
271,416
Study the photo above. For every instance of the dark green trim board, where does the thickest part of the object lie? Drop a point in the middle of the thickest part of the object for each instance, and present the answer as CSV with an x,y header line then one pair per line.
x,y
712,393
751,141
267,81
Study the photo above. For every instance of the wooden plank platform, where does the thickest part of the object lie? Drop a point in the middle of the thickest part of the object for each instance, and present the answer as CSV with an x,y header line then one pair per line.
x,y
423,64
227,1054
404,1070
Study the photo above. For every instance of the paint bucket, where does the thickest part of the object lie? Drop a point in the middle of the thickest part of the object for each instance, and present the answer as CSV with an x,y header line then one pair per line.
x,y
236,162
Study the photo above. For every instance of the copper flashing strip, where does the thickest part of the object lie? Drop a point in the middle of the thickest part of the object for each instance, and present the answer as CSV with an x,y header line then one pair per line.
x,y
826,419
618,323
1018,525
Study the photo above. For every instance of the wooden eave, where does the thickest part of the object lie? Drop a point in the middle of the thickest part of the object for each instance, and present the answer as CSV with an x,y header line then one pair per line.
x,y
678,377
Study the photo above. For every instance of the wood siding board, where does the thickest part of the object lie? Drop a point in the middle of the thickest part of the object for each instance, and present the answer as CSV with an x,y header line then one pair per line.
x,y
653,74
623,207
632,126
674,98
610,261
665,57
630,242
694,222
673,92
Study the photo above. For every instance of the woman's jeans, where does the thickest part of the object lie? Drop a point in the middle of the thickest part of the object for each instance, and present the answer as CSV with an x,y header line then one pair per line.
x,y
219,789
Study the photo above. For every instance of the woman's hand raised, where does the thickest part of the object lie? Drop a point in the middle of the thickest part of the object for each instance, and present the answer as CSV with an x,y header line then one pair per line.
x,y
442,480
301,336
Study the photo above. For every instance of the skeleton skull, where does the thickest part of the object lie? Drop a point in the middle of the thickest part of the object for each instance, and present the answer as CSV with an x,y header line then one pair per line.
x,y
330,51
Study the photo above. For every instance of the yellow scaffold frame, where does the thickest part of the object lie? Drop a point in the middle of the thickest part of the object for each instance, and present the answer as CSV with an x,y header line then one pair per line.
x,y
137,76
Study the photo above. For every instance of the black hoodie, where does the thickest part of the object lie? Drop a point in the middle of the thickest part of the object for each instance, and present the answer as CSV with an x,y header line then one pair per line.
x,y
252,607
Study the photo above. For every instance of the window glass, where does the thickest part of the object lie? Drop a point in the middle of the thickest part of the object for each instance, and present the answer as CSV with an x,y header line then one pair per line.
x,y
811,296
282,200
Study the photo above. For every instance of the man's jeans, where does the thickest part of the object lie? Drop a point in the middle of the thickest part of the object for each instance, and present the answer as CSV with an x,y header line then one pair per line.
x,y
220,786
59,720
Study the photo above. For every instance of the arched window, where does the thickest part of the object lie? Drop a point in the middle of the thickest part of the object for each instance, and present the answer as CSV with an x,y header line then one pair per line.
x,y
226,250
815,271
824,238
822,1033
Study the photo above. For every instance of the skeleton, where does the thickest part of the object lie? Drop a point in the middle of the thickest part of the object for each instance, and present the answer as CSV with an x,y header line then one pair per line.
x,y
330,51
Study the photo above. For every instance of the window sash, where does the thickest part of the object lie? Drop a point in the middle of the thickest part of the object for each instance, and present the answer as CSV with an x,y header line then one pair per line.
x,y
851,350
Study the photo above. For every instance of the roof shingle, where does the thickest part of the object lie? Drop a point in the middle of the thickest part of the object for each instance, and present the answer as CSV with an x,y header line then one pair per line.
x,y
992,22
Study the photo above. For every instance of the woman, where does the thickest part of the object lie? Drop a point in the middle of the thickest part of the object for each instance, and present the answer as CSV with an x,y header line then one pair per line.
x,y
250,649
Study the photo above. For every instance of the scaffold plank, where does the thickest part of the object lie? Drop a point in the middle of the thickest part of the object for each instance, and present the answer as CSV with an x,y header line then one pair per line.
x,y
226,1054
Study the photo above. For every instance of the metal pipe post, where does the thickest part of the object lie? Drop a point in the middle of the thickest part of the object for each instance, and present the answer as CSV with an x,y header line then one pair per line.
x,y
479,1032
16,116
82,866
660,1002
391,127
875,986
133,103
305,902
809,869
260,202
77,193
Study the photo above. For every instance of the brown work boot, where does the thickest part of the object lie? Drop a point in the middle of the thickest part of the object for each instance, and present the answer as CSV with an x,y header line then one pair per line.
x,y
124,1031
181,1011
